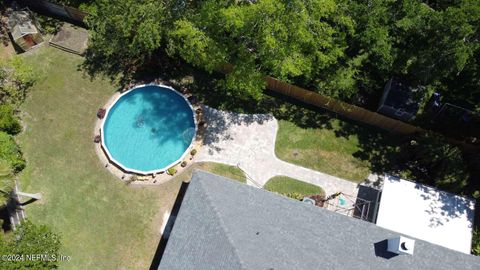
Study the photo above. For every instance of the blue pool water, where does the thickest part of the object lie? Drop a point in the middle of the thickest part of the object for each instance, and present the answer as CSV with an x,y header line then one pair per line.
x,y
149,128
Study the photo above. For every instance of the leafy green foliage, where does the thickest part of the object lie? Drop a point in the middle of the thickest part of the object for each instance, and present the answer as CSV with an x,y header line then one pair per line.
x,y
6,182
345,49
8,122
15,79
432,160
172,171
294,195
194,46
31,239
10,152
433,44
291,40
48,25
124,34
476,242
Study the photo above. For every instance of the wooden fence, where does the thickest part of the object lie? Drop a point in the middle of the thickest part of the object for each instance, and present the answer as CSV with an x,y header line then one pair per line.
x,y
344,109
70,14
351,111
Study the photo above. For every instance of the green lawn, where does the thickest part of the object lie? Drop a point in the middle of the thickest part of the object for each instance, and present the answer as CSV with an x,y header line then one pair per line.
x,y
284,185
104,224
321,149
216,168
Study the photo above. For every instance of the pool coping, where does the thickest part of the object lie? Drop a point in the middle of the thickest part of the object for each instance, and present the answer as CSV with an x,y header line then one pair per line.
x,y
139,172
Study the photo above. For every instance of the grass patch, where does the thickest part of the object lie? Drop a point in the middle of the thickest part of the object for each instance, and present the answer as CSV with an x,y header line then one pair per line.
x,y
321,149
286,185
104,224
228,171
308,136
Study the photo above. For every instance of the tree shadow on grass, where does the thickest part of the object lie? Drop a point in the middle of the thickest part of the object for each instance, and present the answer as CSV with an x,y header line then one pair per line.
x,y
207,89
377,147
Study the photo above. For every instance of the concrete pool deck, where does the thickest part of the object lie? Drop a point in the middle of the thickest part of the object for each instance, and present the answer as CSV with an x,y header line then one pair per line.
x,y
248,141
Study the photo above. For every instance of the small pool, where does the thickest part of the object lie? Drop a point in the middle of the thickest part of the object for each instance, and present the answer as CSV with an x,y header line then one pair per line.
x,y
342,201
148,129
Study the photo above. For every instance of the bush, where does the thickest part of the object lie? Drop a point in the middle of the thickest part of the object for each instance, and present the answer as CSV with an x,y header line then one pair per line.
x,y
8,122
172,171
184,164
476,242
48,25
6,182
294,195
16,77
193,152
10,152
30,238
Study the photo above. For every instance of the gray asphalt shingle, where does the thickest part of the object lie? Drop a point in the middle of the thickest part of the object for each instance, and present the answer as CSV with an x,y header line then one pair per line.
x,y
223,224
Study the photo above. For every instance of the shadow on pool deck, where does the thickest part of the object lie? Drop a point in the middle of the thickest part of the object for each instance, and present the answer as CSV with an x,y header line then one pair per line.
x,y
220,122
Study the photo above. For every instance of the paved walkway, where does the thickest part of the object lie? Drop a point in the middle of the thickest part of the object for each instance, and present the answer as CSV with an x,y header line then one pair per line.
x,y
248,141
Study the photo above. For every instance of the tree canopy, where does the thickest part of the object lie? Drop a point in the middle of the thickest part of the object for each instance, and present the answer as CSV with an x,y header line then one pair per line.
x,y
432,43
345,49
123,35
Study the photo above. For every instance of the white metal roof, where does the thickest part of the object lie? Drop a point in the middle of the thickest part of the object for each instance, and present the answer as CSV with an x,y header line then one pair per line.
x,y
427,213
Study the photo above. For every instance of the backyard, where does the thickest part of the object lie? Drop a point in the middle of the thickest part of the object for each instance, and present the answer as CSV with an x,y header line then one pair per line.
x,y
103,223
97,215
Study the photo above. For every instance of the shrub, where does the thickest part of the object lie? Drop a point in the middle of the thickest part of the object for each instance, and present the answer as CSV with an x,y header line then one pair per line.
x,y
193,152
16,77
184,164
476,242
6,182
172,171
30,238
10,152
8,122
294,195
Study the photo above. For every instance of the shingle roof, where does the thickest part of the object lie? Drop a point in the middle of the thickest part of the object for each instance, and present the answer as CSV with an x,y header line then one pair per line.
x,y
223,224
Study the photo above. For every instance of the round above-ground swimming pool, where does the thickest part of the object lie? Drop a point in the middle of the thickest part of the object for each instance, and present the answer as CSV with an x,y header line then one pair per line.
x,y
148,129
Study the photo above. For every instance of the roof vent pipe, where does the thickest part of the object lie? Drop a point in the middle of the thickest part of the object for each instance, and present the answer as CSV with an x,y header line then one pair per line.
x,y
401,245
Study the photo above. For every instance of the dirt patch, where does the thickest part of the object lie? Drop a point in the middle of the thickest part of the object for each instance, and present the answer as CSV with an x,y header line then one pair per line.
x,y
71,38
6,52
6,47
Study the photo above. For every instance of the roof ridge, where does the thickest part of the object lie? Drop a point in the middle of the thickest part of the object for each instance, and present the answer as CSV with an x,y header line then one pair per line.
x,y
222,223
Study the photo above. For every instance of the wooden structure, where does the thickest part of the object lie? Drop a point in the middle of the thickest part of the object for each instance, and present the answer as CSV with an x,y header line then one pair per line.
x,y
70,14
24,32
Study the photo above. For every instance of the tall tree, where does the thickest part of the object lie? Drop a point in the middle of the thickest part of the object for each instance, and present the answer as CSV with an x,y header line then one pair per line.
x,y
302,41
123,35
432,44
342,48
